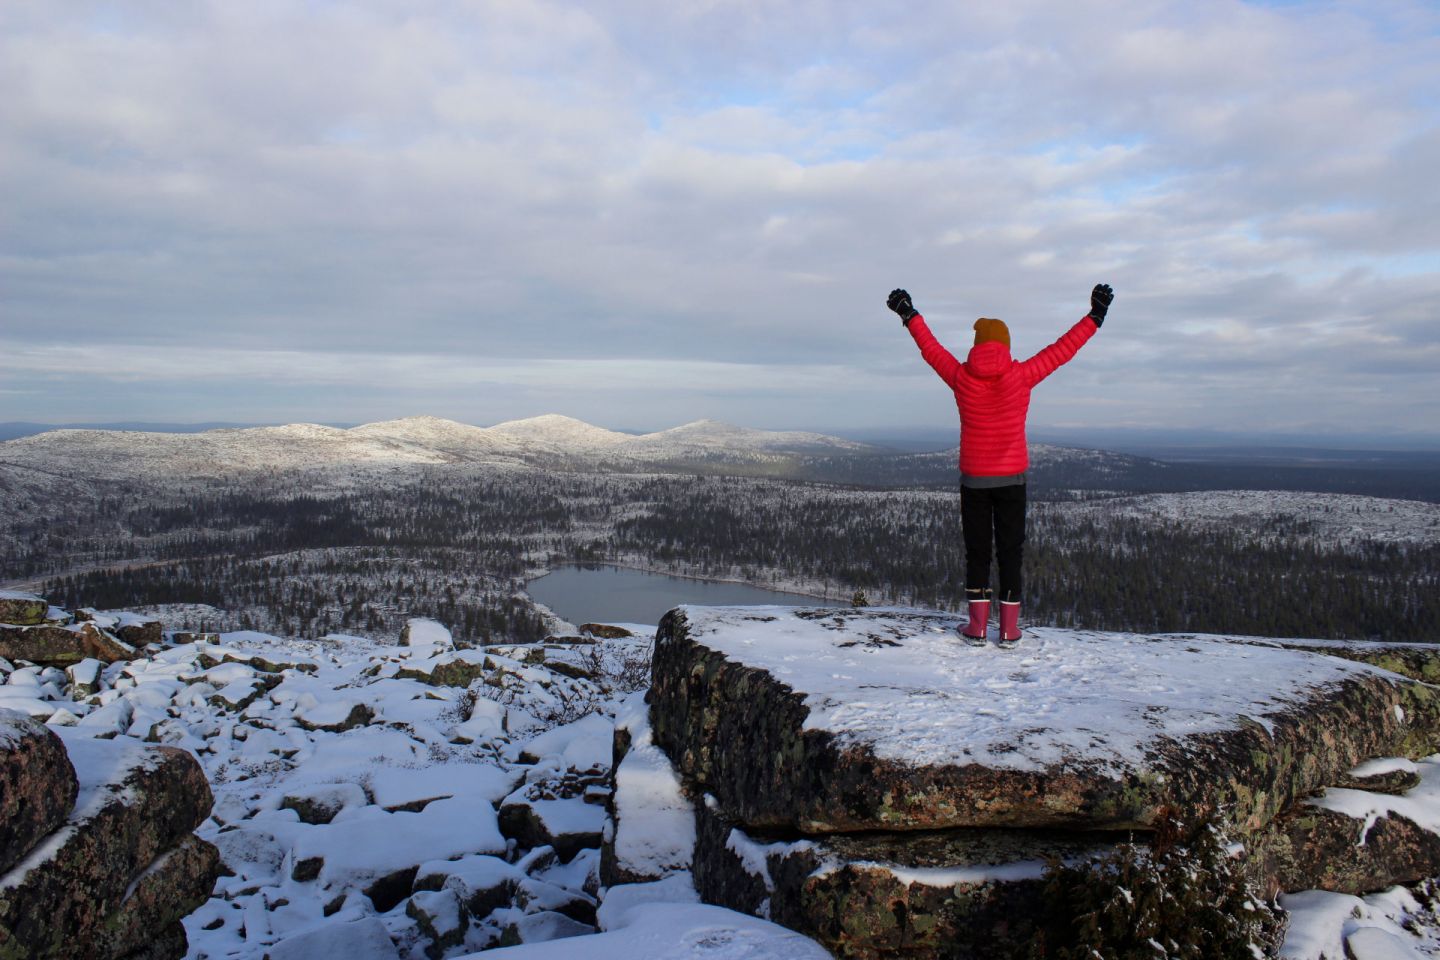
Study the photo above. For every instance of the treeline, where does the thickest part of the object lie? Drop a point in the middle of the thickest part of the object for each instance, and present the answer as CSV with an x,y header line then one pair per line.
x,y
291,556
1120,574
368,591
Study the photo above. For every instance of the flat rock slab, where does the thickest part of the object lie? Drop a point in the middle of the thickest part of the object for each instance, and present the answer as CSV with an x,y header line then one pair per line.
x,y
135,803
37,784
823,720
955,894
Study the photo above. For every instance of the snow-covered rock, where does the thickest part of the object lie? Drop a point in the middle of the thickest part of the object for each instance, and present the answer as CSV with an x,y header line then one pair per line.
x,y
847,719
122,867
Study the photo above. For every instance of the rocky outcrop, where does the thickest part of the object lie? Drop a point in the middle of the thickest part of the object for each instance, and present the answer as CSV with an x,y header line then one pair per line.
x,y
739,730
874,784
122,866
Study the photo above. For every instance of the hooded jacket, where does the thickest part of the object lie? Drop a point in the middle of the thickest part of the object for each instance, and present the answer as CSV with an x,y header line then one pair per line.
x,y
992,392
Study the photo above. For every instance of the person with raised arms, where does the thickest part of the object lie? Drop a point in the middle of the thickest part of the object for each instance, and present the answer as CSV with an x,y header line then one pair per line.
x,y
992,392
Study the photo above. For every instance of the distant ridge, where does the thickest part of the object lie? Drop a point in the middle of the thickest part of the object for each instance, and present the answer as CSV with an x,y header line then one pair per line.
x,y
550,440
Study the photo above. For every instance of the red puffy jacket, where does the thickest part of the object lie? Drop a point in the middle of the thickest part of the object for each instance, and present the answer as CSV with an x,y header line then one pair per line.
x,y
992,390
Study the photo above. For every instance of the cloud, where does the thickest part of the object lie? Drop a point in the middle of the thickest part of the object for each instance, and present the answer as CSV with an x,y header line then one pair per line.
x,y
512,188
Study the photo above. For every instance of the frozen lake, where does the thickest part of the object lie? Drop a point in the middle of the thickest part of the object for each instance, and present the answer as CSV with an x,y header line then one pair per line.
x,y
610,594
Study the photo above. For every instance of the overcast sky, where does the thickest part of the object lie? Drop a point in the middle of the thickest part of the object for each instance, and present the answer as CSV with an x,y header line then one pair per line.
x,y
644,213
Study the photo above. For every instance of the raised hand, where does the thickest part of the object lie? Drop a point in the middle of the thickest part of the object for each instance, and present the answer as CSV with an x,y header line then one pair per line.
x,y
899,301
1100,299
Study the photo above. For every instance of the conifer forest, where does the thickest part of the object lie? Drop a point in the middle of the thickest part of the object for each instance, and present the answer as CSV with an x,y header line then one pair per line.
x,y
308,556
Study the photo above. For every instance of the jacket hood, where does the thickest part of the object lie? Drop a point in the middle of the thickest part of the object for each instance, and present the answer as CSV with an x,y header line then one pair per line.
x,y
989,359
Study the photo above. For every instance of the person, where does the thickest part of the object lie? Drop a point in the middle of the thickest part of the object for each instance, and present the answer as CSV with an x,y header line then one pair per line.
x,y
992,391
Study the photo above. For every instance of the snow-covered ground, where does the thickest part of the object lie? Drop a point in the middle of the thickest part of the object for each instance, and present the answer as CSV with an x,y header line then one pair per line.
x,y
335,767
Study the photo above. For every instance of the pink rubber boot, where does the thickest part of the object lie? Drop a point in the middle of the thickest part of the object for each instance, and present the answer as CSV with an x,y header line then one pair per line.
x,y
1009,623
974,632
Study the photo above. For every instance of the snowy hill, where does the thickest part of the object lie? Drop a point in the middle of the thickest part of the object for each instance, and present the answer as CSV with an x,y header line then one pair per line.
x,y
124,453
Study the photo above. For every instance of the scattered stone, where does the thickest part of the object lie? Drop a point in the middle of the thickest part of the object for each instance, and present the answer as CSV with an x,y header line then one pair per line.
x,y
567,825
536,896
62,718
456,670
307,869
363,939
441,919
387,892
213,656
605,631
483,883
538,927
335,716
84,677
141,633
320,804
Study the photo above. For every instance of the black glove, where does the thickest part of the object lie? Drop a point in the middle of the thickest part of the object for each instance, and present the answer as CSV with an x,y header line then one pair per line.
x,y
899,301
1100,299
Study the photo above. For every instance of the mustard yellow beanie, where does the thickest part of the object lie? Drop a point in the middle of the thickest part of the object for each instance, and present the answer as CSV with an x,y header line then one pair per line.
x,y
987,329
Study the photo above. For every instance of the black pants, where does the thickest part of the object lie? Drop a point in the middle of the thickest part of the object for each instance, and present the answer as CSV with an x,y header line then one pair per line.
x,y
993,514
